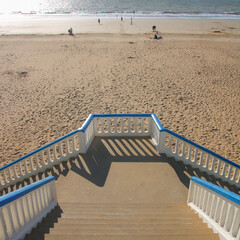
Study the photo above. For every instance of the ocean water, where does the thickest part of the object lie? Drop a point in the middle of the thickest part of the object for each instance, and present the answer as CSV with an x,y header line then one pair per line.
x,y
136,8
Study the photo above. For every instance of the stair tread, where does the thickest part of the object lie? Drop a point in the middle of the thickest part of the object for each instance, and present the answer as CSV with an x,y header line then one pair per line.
x,y
134,237
164,231
122,221
129,226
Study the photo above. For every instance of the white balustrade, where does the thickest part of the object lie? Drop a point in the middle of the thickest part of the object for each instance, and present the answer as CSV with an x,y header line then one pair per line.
x,y
41,159
198,157
115,125
218,207
23,209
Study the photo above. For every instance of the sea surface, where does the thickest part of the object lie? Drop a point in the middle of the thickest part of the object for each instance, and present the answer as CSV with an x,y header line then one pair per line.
x,y
223,9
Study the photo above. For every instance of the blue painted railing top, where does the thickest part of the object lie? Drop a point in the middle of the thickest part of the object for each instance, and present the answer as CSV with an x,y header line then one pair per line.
x,y
10,197
41,148
82,129
200,147
221,191
90,118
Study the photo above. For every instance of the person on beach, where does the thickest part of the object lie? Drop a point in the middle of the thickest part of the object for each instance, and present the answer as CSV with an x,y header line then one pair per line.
x,y
121,19
156,37
99,21
70,31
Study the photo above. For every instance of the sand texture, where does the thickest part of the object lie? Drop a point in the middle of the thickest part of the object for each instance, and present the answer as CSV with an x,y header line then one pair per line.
x,y
50,84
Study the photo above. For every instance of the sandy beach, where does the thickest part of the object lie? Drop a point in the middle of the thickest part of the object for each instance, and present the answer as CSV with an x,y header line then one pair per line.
x,y
49,84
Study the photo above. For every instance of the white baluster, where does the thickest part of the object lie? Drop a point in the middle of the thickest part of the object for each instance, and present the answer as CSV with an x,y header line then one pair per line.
x,y
129,125
33,208
9,174
183,149
170,143
67,146
11,219
5,176
115,125
28,200
201,158
218,166
224,169
15,171
235,174
102,128
209,204
31,164
109,125
213,164
177,145
17,214
205,202
55,152
142,124
195,155
189,153
229,171
43,201
207,161
219,210
53,190
25,166
4,226
74,144
36,200
61,148
23,211
37,162
135,122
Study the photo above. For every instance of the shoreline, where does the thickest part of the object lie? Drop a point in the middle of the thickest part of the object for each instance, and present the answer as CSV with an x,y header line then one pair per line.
x,y
60,25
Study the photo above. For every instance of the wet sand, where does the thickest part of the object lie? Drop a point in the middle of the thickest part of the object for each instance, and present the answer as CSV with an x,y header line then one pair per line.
x,y
49,84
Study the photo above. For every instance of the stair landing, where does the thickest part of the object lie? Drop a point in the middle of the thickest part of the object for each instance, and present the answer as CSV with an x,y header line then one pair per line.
x,y
122,189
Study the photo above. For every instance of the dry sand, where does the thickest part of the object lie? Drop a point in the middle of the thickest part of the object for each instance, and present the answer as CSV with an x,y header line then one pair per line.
x,y
49,84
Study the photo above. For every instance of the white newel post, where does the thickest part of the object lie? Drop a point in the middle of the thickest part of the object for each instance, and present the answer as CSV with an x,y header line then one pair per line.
x,y
162,139
82,142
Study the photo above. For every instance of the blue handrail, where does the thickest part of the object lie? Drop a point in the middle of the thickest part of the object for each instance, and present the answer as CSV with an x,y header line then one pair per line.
x,y
90,118
82,129
10,197
200,147
41,148
221,191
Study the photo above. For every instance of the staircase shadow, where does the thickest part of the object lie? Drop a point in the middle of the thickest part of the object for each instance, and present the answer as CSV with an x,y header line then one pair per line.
x,y
96,163
45,225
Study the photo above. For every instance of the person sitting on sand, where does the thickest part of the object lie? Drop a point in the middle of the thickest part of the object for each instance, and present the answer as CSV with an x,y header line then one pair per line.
x,y
156,37
70,31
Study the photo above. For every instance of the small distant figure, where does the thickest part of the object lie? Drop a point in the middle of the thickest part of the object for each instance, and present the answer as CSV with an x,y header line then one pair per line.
x,y
99,21
121,19
70,31
154,28
156,37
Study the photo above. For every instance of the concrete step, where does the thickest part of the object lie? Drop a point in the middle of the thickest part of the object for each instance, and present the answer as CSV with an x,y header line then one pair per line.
x,y
100,232
134,237
123,205
128,226
123,221
126,211
118,215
